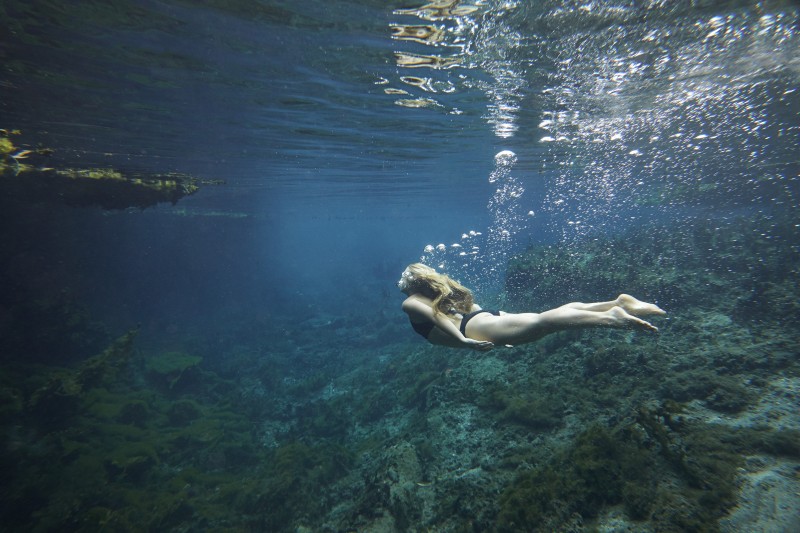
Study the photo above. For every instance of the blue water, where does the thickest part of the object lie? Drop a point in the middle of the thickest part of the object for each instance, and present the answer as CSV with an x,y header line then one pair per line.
x,y
341,163
336,185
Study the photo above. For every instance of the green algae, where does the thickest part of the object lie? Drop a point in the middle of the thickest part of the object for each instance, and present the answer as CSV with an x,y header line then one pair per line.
x,y
169,368
721,393
110,460
595,471
183,412
530,408
135,412
545,437
627,465
295,472
171,363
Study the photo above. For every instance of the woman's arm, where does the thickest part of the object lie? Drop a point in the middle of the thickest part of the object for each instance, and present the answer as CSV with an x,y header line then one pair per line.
x,y
414,307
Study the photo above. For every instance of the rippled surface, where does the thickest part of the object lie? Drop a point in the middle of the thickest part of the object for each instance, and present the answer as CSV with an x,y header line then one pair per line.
x,y
687,111
248,94
616,113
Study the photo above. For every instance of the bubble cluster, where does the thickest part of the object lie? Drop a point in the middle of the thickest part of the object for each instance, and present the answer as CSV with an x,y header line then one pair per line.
x,y
637,111
657,114
478,258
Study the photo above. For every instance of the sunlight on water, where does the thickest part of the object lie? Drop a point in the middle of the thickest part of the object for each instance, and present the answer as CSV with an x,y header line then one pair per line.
x,y
657,115
632,112
466,36
484,42
450,23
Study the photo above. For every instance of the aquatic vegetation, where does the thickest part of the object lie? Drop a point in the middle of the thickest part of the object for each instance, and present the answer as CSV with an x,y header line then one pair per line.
x,y
592,473
719,258
531,408
111,440
293,416
6,146
419,393
183,412
294,475
59,398
135,412
107,367
546,437
628,465
721,393
170,368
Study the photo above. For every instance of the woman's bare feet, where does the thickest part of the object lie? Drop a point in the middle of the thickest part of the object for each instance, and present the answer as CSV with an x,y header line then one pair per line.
x,y
622,319
637,307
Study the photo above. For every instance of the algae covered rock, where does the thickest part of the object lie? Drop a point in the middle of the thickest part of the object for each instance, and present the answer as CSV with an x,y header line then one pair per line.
x,y
295,474
11,402
130,462
107,366
171,368
59,398
182,412
135,413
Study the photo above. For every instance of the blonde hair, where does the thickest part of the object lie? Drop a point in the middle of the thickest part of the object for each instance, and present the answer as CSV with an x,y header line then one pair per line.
x,y
447,294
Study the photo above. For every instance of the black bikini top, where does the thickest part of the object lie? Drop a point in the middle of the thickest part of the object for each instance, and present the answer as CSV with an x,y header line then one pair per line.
x,y
423,328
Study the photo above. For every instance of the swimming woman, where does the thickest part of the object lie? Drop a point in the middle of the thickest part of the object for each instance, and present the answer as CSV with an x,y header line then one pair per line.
x,y
443,311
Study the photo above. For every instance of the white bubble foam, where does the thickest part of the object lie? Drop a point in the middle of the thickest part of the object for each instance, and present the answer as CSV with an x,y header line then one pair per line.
x,y
505,158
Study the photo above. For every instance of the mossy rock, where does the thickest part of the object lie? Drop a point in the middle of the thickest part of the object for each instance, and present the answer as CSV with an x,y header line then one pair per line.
x,y
295,473
532,409
131,462
324,419
627,465
183,412
6,146
104,187
725,394
10,402
171,368
178,513
104,519
199,435
136,413
171,363
108,367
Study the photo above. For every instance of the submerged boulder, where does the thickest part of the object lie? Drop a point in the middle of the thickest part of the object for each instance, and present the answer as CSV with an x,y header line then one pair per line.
x,y
172,369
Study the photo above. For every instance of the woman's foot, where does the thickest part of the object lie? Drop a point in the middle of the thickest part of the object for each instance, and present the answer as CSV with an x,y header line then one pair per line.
x,y
638,308
622,319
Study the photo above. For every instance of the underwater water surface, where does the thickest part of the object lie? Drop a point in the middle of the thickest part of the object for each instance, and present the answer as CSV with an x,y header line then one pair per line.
x,y
236,358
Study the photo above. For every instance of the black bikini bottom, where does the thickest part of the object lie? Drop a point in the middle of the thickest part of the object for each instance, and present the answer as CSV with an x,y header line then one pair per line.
x,y
469,316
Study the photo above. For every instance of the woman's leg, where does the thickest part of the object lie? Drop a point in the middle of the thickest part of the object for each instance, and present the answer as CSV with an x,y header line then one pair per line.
x,y
627,302
528,327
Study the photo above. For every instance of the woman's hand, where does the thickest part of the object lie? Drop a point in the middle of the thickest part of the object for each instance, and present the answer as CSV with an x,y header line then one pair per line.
x,y
481,346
